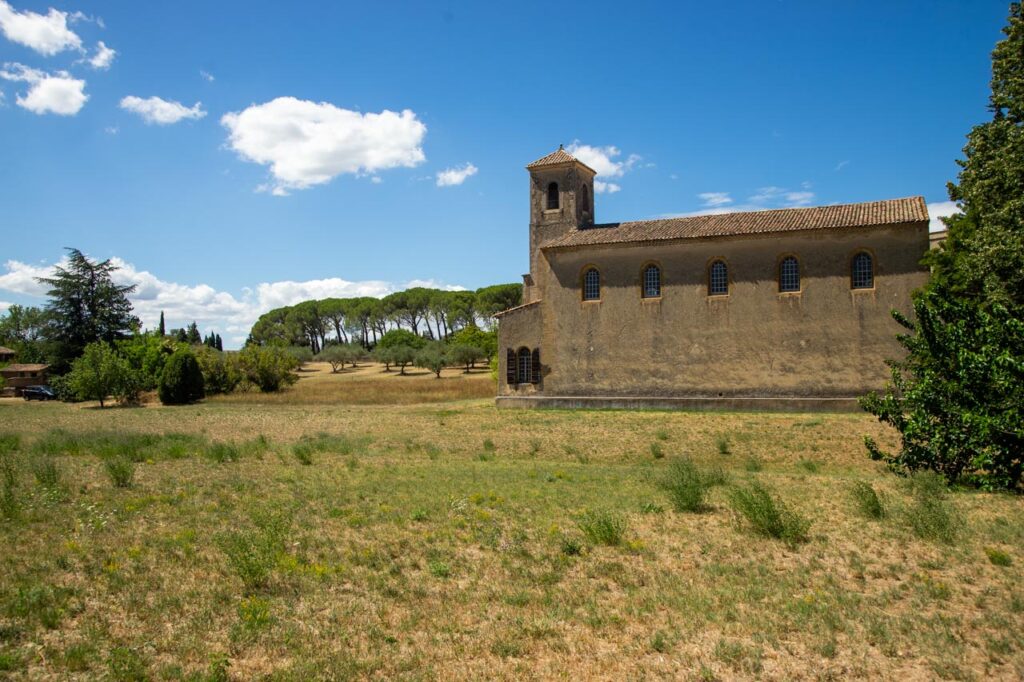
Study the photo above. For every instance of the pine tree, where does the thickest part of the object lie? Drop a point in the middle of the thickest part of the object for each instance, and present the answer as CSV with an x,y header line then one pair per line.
x,y
220,344
162,330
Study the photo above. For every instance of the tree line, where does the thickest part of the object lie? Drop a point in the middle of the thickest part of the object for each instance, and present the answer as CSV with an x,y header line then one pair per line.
x,y
432,314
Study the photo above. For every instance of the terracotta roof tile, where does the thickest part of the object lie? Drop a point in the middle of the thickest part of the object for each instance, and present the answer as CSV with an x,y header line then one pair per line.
x,y
24,368
554,158
893,211
518,307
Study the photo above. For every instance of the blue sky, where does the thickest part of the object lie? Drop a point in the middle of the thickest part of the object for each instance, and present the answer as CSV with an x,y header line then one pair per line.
x,y
301,151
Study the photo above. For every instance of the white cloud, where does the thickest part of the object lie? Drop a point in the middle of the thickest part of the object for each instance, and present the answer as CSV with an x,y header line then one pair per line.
x,y
46,34
111,130
213,310
376,180
104,56
602,160
455,176
54,93
4,305
841,165
780,197
309,143
940,209
160,111
206,76
713,199
799,198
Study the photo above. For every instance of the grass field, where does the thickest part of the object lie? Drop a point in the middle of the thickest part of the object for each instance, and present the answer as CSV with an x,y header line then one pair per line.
x,y
317,535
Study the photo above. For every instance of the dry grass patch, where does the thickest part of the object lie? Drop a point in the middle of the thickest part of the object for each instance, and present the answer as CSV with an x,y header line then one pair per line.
x,y
399,552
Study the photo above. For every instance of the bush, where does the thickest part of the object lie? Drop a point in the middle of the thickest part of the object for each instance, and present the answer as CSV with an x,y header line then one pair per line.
x,y
181,382
269,368
466,355
957,398
220,373
722,444
101,372
998,557
769,516
121,471
603,527
303,453
685,486
930,514
867,501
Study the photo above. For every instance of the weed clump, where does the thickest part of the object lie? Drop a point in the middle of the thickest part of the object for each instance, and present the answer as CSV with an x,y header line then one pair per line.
x,y
685,485
253,553
47,472
998,557
121,471
603,527
768,515
931,515
657,452
723,445
303,452
223,453
867,501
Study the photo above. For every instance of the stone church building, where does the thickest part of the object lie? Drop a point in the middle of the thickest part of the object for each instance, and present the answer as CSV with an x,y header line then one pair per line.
x,y
775,309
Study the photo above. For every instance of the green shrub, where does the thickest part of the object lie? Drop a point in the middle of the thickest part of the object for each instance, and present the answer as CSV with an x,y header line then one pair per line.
x,y
930,514
440,569
252,553
685,486
867,501
753,464
715,476
723,445
571,546
998,557
303,452
9,442
808,465
603,527
125,665
121,471
181,381
767,515
269,368
661,434
657,452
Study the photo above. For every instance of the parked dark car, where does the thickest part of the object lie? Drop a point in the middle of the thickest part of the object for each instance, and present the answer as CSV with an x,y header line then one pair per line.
x,y
38,393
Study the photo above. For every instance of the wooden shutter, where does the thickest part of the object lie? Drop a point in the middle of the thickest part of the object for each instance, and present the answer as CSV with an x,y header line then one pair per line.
x,y
510,367
535,369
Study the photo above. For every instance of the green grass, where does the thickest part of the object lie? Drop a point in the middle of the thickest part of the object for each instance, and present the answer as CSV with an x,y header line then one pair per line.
x,y
767,515
400,554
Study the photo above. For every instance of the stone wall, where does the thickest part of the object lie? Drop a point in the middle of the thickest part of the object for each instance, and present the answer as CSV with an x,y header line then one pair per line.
x,y
825,341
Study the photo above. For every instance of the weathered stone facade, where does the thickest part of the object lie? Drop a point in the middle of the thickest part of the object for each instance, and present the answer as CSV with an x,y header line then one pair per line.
x,y
750,345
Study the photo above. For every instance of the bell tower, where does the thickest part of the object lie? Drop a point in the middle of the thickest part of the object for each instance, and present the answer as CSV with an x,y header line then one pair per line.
x,y
561,201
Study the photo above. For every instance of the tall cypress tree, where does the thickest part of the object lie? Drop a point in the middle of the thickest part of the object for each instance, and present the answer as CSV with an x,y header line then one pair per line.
x,y
162,329
220,343
957,399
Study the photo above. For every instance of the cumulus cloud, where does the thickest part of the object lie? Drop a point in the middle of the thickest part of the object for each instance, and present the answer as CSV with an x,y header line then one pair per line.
x,y
228,314
103,57
47,33
309,143
605,164
206,76
48,93
940,209
715,198
160,111
455,176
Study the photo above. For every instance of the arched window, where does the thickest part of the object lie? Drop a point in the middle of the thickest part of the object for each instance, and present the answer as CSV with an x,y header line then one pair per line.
x,y
524,366
592,285
652,282
718,279
862,271
553,195
789,274
510,367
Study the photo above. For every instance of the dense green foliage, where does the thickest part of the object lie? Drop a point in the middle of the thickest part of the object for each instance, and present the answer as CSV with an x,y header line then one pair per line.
x,y
101,372
181,381
85,306
433,356
957,398
432,313
268,369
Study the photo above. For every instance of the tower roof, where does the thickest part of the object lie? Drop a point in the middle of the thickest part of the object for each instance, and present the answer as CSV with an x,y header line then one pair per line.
x,y
557,158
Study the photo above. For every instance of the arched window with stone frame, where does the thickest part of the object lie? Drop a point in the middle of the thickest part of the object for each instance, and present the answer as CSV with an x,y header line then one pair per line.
x,y
789,275
650,285
862,271
591,284
718,278
552,196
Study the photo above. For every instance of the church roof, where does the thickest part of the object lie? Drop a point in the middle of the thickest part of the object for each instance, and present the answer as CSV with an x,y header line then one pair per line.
x,y
556,158
890,212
